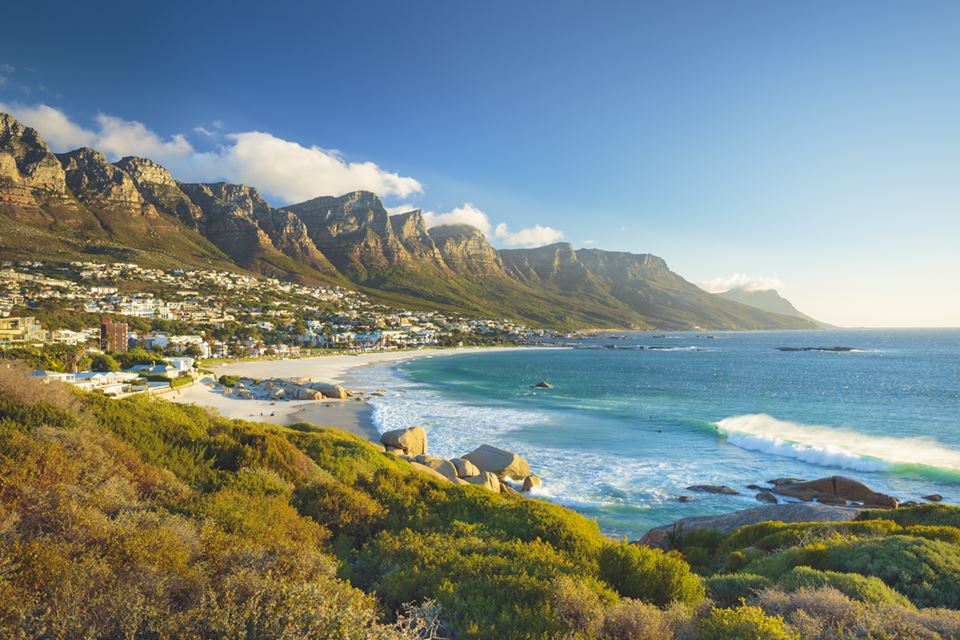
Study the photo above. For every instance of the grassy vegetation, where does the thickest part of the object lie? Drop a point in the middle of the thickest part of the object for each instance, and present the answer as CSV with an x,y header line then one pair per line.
x,y
140,518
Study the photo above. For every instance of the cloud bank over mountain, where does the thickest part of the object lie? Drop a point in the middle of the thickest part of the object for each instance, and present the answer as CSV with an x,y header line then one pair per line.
x,y
741,281
284,170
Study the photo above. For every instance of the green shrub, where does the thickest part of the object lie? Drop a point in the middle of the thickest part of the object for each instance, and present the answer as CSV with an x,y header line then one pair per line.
x,y
853,585
934,532
181,382
728,590
925,571
925,514
650,575
228,381
744,623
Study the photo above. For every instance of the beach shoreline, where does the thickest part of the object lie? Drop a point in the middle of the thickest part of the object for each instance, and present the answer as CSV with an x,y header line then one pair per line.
x,y
352,414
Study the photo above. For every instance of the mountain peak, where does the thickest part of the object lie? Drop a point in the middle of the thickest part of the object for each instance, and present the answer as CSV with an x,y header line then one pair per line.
x,y
145,171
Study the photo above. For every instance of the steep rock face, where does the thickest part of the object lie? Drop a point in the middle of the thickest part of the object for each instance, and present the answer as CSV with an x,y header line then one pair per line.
x,y
412,233
228,224
239,221
623,266
32,181
353,231
158,187
555,263
466,251
102,186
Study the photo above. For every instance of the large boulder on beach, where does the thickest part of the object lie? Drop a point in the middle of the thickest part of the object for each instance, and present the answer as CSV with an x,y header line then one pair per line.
x,y
504,464
487,480
433,473
659,537
465,468
330,390
306,393
413,440
834,490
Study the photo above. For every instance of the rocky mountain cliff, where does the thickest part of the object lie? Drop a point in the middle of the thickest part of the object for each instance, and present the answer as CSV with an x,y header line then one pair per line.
x,y
353,231
465,250
79,205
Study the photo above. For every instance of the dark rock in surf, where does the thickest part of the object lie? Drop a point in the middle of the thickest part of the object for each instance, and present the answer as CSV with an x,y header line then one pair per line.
x,y
714,488
766,496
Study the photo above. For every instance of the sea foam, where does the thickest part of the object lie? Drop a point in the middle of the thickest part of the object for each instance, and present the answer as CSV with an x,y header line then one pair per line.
x,y
835,447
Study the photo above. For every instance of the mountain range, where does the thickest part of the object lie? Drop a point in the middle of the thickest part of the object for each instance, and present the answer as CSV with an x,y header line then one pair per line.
x,y
79,205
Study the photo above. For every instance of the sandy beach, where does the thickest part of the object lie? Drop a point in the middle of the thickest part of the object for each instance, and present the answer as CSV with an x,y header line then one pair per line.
x,y
353,415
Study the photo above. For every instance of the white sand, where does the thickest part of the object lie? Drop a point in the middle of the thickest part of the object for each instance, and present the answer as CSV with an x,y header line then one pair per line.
x,y
335,369
350,415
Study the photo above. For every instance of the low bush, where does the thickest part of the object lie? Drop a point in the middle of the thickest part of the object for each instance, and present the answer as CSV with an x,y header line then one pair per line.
x,y
744,623
853,585
906,564
228,381
650,575
181,382
728,590
827,614
925,514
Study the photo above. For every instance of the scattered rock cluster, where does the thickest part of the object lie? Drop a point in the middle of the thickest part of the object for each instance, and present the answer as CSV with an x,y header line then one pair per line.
x,y
283,389
486,466
833,490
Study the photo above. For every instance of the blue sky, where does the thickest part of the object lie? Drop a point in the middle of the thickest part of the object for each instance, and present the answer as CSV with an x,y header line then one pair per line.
x,y
812,145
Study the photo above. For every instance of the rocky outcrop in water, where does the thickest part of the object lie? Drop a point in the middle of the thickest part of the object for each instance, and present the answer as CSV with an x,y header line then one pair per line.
x,y
832,490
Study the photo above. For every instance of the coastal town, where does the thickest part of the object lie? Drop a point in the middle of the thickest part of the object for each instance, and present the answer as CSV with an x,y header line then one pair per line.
x,y
85,320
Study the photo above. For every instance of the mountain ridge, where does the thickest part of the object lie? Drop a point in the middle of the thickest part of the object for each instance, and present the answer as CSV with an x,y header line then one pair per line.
x,y
79,205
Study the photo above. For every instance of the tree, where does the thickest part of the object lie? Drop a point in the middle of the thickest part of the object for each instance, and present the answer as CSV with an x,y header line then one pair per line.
x,y
103,362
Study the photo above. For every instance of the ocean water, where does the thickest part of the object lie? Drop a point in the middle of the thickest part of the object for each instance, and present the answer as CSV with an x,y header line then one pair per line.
x,y
625,430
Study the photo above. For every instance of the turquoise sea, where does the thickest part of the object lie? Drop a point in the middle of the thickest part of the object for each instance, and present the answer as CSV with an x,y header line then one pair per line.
x,y
634,419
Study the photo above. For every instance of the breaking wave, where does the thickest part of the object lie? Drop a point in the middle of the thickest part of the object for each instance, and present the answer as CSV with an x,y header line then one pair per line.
x,y
835,447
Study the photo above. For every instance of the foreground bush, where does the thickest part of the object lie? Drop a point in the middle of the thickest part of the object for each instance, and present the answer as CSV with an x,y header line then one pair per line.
x,y
865,589
728,590
744,623
827,614
650,575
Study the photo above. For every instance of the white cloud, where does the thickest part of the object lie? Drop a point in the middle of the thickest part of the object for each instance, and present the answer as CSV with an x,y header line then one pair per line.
x,y
291,172
283,169
535,236
465,214
589,242
741,281
61,133
117,138
5,71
